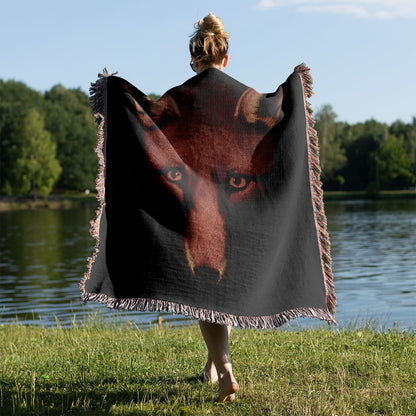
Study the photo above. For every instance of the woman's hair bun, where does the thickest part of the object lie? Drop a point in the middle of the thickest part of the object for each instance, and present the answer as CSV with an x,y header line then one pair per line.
x,y
209,42
210,25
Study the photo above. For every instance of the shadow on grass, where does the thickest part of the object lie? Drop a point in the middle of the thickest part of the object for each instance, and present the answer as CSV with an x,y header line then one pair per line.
x,y
98,397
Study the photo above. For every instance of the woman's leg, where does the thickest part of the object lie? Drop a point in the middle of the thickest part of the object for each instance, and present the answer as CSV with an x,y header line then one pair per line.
x,y
210,372
216,339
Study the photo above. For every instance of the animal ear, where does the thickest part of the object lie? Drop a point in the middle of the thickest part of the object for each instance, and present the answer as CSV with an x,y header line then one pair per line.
x,y
159,150
254,107
165,107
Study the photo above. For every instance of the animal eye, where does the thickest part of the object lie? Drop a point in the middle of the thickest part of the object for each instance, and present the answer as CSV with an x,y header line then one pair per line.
x,y
173,174
237,182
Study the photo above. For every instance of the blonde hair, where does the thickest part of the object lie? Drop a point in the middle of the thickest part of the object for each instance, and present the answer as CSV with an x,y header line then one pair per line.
x,y
209,42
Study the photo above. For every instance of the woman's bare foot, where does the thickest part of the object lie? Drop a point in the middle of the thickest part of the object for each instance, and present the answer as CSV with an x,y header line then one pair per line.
x,y
216,338
228,388
209,375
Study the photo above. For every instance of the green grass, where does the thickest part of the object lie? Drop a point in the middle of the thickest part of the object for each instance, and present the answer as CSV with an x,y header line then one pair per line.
x,y
104,369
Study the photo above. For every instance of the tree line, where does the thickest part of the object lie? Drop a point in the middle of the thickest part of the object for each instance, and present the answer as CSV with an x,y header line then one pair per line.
x,y
47,143
47,140
368,156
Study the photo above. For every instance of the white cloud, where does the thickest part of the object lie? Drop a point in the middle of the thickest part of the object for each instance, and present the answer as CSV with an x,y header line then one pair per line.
x,y
378,9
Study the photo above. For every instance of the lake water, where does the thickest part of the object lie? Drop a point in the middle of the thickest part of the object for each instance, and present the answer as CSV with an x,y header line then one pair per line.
x,y
43,257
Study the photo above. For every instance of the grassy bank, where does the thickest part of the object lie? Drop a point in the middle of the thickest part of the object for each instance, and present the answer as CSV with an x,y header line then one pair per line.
x,y
103,370
65,201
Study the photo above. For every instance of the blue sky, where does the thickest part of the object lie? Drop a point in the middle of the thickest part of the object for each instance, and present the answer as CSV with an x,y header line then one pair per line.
x,y
361,53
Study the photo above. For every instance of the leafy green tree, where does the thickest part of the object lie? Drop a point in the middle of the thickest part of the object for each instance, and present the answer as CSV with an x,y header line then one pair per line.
x,y
340,180
153,96
7,122
394,164
407,132
34,167
361,143
15,98
332,154
71,123
15,92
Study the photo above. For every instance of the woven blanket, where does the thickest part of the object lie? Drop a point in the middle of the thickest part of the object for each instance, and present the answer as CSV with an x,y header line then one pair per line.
x,y
210,202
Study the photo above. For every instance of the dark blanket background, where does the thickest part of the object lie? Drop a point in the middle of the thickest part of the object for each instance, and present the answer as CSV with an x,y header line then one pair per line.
x,y
211,205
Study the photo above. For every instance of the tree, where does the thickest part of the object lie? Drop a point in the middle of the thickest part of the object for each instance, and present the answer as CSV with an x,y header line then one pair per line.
x,y
394,164
153,96
71,123
15,98
362,142
34,166
408,133
332,154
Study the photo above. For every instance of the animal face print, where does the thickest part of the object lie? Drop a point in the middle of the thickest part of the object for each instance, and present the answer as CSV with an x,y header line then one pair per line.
x,y
207,169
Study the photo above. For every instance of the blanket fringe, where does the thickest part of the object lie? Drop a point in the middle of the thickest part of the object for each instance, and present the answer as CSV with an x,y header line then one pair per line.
x,y
258,322
98,105
316,189
97,92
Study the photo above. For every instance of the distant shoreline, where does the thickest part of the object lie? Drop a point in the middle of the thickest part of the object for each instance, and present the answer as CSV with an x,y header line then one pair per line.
x,y
67,201
64,201
341,195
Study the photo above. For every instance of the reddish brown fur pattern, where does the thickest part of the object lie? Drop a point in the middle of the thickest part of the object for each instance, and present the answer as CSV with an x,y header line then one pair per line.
x,y
203,166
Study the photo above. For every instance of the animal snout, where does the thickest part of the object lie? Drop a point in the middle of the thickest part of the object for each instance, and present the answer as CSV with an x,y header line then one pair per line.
x,y
205,230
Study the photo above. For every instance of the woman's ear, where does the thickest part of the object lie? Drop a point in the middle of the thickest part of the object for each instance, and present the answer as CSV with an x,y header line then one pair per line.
x,y
225,61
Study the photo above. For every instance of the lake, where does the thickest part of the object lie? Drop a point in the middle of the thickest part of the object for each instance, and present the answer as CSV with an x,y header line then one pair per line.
x,y
43,257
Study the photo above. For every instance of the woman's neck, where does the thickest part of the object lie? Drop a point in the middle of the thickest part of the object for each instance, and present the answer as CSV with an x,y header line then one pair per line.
x,y
202,68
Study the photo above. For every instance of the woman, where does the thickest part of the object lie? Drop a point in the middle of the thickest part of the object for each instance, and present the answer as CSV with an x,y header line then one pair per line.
x,y
211,203
209,49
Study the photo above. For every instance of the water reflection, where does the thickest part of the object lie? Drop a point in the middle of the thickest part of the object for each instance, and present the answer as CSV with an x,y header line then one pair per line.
x,y
43,257
374,247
